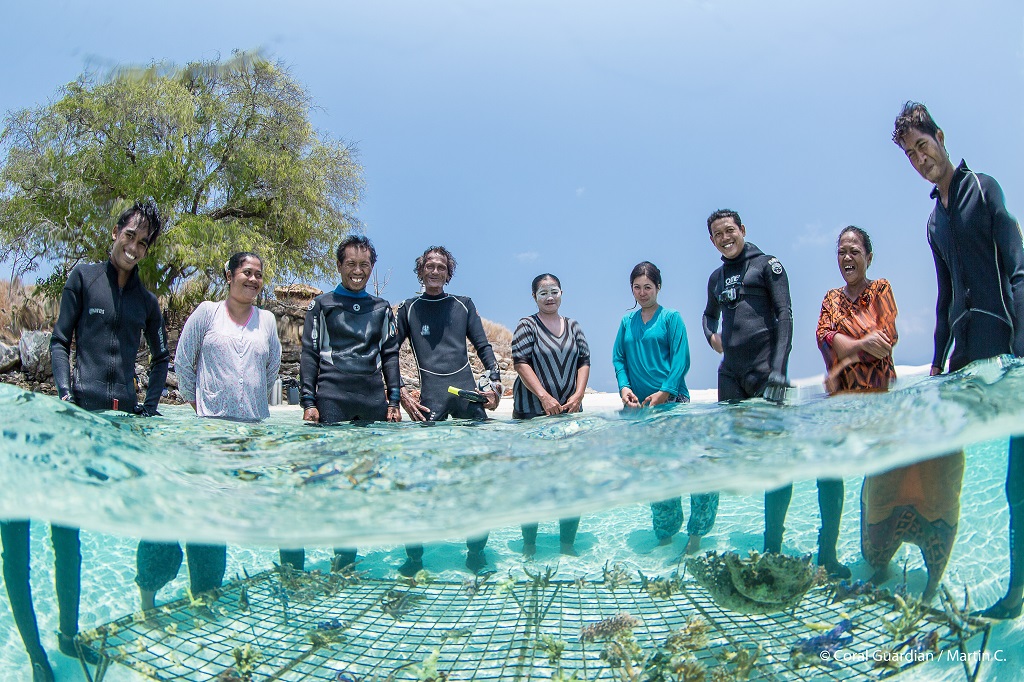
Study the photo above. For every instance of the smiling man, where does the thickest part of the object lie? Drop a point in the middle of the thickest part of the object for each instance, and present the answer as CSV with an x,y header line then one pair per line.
x,y
437,325
979,264
104,309
750,294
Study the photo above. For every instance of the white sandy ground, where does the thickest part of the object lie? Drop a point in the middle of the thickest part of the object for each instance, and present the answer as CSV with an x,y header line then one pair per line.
x,y
623,534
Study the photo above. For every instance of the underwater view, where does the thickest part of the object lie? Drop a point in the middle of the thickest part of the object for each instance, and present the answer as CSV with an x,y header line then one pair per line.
x,y
625,608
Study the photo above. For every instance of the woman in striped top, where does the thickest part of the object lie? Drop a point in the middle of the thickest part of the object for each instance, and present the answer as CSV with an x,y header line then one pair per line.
x,y
552,358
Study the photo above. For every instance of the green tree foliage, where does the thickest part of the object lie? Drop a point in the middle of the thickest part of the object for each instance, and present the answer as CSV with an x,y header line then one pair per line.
x,y
225,147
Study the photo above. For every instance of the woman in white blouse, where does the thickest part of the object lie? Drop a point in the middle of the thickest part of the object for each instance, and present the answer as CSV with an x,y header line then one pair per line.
x,y
227,361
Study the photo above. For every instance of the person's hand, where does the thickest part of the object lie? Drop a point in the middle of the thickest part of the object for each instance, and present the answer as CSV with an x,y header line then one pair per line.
x,y
629,398
416,411
876,344
935,371
311,414
775,390
657,398
394,414
573,404
716,343
550,405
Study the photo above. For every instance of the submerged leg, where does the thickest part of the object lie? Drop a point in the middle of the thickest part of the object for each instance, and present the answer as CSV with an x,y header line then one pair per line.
x,y
1010,605
67,551
830,506
206,566
667,519
529,540
703,512
776,504
414,563
294,558
475,559
15,537
343,558
567,535
156,564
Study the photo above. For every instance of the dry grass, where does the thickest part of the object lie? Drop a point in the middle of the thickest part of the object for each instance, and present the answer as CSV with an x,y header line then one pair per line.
x,y
20,310
498,334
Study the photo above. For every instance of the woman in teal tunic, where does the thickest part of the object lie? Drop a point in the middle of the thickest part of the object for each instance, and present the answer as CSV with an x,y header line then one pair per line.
x,y
651,357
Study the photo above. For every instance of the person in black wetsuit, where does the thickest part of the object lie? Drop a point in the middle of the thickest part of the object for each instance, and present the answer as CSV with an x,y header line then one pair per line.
x,y
750,293
105,309
437,325
349,363
979,264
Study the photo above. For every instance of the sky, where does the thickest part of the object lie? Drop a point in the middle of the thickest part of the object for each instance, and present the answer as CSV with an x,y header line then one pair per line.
x,y
581,137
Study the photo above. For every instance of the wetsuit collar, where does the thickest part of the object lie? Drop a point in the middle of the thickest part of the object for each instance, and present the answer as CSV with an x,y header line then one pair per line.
x,y
427,297
340,290
133,278
749,251
960,171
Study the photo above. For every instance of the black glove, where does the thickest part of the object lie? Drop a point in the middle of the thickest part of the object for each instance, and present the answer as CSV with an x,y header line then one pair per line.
x,y
775,390
143,411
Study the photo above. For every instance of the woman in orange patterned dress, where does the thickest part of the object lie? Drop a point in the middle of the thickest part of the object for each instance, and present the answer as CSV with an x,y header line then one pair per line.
x,y
919,503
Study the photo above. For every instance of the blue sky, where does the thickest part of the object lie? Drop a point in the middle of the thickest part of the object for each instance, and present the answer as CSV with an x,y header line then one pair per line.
x,y
583,137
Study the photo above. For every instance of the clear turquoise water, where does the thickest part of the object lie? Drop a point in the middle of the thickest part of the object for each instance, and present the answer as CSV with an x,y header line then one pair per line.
x,y
179,477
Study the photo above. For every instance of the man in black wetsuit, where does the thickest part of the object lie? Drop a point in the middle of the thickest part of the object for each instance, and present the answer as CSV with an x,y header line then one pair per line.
x,y
104,308
437,325
979,264
349,363
750,293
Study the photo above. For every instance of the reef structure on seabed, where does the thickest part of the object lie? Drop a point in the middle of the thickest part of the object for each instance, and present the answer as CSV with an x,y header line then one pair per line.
x,y
342,627
761,583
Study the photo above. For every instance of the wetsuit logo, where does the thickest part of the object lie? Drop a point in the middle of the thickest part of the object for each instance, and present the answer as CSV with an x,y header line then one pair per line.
x,y
776,266
97,311
732,281
355,307
425,330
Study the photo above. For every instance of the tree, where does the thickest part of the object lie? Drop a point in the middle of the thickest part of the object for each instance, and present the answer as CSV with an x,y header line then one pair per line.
x,y
225,148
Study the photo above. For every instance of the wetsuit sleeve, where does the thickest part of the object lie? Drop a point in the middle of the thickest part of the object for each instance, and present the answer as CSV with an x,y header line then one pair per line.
x,y
1007,236
186,355
476,335
274,361
778,290
581,344
522,343
712,311
159,355
389,357
401,333
309,361
942,304
63,332
619,355
675,382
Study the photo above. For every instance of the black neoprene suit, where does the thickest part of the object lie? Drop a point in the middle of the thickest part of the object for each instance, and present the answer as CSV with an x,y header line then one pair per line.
x,y
349,352
437,328
104,321
979,264
757,336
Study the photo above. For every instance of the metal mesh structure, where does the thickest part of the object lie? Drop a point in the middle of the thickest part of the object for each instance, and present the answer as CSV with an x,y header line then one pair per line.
x,y
283,625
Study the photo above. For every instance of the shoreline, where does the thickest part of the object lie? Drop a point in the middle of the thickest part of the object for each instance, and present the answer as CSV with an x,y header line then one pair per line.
x,y
603,402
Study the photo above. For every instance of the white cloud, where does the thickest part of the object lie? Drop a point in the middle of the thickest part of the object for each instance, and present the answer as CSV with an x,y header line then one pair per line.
x,y
812,235
527,256
580,191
